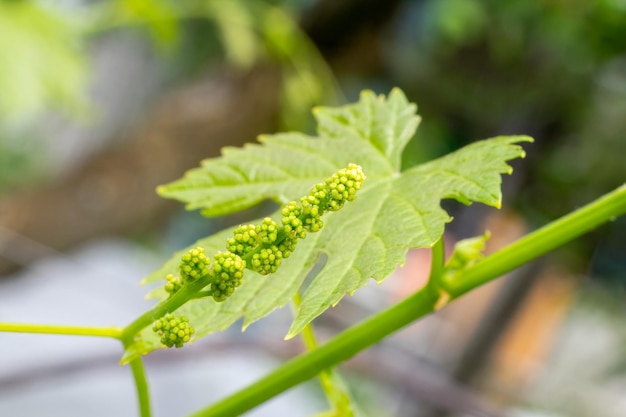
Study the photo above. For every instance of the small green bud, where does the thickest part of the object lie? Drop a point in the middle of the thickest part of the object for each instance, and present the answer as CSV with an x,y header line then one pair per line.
x,y
244,240
292,224
267,231
174,331
343,186
227,271
287,246
311,214
267,260
194,264
173,284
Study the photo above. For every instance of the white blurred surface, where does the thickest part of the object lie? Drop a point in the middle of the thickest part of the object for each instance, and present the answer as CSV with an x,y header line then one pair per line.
x,y
79,376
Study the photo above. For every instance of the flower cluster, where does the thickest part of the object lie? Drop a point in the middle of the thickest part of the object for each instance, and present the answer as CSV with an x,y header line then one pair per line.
x,y
264,246
331,195
227,273
173,284
344,185
243,241
193,264
292,225
174,331
260,248
338,189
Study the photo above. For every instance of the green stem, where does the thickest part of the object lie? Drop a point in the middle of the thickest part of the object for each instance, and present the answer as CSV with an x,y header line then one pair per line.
x,y
308,336
438,255
437,270
170,304
332,392
350,342
141,386
113,332
539,242
337,350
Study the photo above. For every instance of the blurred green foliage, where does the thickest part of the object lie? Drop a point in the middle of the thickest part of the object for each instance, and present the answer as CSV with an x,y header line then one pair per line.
x,y
40,60
44,52
477,68
44,56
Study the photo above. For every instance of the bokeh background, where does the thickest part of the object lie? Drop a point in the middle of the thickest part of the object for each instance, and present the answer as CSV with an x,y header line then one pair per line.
x,y
101,101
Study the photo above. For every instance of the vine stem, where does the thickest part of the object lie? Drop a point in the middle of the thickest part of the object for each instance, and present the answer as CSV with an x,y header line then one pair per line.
x,y
141,386
170,304
113,332
339,349
334,394
539,242
308,336
369,332
438,256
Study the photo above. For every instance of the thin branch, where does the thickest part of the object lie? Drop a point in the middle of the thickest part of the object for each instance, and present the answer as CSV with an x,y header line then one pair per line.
x,y
141,385
113,332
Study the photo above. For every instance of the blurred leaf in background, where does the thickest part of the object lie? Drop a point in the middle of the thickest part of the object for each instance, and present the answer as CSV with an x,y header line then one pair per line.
x,y
41,61
160,17
46,59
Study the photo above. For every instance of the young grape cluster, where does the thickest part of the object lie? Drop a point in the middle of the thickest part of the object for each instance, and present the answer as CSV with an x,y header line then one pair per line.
x,y
194,264
227,272
260,247
174,331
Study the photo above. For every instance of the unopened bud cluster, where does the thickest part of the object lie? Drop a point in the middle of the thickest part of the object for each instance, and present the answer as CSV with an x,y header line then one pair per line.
x,y
227,272
328,196
262,247
194,264
174,331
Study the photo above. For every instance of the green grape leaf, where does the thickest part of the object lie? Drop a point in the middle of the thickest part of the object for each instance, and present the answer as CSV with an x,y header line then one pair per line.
x,y
367,238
